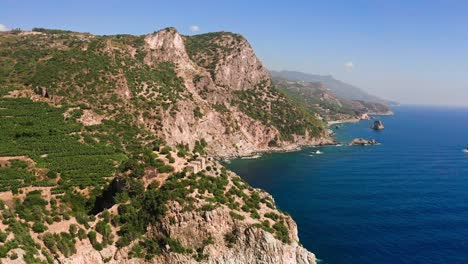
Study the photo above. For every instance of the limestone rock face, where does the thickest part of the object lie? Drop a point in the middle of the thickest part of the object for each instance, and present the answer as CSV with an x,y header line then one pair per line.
x,y
378,125
213,80
168,45
241,69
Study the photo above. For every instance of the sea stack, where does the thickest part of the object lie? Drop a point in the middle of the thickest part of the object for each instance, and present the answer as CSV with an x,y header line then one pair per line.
x,y
378,125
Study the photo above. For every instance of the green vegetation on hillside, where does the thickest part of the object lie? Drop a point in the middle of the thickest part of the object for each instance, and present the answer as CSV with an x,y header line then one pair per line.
x,y
208,49
316,98
91,70
276,110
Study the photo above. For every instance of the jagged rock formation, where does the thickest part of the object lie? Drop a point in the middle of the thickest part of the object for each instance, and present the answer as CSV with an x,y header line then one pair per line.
x,y
216,68
378,125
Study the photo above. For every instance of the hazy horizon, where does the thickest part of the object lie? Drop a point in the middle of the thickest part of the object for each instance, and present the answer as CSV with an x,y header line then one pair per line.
x,y
413,53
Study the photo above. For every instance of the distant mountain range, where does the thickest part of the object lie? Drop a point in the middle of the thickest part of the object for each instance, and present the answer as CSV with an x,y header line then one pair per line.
x,y
327,98
339,88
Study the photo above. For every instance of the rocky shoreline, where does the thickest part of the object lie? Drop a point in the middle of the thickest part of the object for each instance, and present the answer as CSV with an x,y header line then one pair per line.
x,y
324,141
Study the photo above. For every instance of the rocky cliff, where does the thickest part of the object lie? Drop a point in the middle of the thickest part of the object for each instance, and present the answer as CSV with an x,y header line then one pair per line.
x,y
217,237
183,88
119,133
255,232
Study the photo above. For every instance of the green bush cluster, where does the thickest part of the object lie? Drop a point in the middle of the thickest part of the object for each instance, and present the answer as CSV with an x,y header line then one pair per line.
x,y
200,146
60,242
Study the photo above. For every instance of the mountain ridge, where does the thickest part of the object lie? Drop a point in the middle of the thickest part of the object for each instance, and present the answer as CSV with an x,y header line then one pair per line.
x,y
320,101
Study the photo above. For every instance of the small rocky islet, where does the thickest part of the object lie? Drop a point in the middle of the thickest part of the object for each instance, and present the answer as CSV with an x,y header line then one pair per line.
x,y
378,125
363,142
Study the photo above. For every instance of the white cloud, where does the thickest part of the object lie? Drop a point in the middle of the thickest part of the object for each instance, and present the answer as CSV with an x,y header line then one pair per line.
x,y
349,66
194,28
3,28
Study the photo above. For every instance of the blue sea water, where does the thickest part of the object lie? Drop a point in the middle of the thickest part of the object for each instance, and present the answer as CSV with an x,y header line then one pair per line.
x,y
404,201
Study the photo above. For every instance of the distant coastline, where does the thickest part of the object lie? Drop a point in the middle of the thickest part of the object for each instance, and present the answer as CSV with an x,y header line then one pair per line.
x,y
355,120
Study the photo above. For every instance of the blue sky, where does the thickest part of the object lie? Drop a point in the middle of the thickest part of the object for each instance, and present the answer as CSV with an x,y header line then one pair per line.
x,y
410,51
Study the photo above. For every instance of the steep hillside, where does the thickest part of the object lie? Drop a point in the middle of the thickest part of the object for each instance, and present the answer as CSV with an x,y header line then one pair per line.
x,y
337,87
107,146
181,88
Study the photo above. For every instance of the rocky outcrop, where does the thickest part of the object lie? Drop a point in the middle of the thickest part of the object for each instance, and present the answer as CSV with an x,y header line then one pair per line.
x,y
167,45
212,76
241,69
378,125
363,142
248,243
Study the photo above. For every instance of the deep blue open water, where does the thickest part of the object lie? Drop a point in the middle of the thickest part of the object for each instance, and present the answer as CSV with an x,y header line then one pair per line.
x,y
404,201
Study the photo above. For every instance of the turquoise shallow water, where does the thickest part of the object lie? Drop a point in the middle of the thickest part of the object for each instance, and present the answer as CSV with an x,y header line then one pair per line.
x,y
404,201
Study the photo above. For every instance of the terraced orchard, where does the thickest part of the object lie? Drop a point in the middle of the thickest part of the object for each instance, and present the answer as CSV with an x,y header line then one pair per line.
x,y
40,132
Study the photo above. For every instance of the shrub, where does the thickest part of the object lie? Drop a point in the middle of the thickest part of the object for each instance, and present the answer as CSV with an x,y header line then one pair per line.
x,y
200,146
13,256
230,239
39,227
236,216
197,112
3,236
49,241
282,231
208,207
166,169
166,150
170,158
272,216
255,215
73,229
81,234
